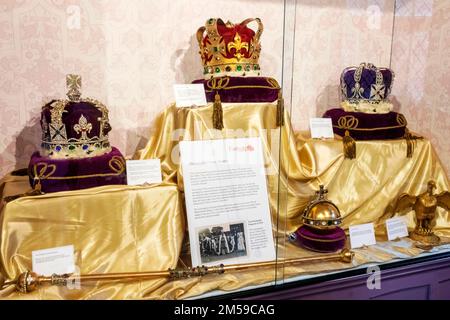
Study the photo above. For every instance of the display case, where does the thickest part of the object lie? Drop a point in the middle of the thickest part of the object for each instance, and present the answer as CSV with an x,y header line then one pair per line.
x,y
249,204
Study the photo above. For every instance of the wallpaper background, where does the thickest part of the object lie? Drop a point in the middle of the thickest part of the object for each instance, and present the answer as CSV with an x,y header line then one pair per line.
x,y
129,53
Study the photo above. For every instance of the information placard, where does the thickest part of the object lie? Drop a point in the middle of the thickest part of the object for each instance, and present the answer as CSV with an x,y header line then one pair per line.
x,y
226,199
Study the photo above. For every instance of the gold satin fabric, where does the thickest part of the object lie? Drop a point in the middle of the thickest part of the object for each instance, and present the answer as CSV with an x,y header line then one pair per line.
x,y
112,228
361,188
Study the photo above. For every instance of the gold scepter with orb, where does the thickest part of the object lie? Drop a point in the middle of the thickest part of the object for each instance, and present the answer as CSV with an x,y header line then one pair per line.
x,y
29,281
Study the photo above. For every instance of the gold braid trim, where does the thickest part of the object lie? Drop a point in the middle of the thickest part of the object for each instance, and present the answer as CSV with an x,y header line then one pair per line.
x,y
116,164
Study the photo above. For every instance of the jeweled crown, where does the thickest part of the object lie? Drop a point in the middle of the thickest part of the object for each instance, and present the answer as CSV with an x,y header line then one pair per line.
x,y
230,49
367,86
75,128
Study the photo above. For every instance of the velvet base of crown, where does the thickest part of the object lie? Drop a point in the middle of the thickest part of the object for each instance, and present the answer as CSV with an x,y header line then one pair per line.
x,y
365,126
330,240
241,89
74,174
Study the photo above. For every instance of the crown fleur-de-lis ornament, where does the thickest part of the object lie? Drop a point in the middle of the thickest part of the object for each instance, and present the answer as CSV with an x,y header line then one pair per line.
x,y
424,206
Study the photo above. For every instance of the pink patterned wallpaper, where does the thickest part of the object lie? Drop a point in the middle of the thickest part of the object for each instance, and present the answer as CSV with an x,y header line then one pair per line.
x,y
129,54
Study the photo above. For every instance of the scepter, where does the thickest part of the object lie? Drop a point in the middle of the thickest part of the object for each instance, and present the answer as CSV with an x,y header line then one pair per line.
x,y
29,281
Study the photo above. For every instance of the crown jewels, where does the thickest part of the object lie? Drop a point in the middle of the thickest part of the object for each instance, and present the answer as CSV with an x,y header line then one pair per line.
x,y
75,128
366,88
230,49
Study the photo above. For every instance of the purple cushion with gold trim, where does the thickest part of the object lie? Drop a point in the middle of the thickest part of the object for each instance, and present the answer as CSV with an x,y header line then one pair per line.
x,y
365,126
241,89
326,240
74,174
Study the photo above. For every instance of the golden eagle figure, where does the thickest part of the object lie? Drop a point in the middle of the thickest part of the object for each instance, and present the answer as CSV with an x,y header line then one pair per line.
x,y
424,206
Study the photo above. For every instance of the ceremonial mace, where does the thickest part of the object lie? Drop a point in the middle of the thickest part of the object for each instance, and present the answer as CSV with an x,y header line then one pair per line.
x,y
30,281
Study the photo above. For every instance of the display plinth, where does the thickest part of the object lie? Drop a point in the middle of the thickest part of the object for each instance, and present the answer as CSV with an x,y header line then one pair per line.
x,y
112,228
361,187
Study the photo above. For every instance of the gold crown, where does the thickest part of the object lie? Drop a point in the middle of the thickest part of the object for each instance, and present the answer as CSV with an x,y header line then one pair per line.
x,y
230,49
321,213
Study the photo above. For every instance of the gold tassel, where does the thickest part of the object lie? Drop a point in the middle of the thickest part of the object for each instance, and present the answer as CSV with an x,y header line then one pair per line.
x,y
35,192
280,110
349,146
217,113
410,142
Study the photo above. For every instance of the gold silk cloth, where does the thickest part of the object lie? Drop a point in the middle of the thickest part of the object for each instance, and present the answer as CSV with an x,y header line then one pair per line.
x,y
361,187
112,229
127,229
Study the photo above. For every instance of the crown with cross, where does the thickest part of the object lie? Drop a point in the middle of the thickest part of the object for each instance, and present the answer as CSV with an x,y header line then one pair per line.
x,y
366,83
75,128
230,49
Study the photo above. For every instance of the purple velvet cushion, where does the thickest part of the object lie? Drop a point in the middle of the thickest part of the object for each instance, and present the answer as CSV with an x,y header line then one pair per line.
x,y
330,240
365,126
73,174
241,89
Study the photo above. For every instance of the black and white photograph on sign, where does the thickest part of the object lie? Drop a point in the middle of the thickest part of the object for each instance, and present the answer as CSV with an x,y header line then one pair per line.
x,y
220,242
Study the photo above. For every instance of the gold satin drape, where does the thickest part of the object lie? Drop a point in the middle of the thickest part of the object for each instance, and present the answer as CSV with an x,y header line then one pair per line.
x,y
112,228
140,228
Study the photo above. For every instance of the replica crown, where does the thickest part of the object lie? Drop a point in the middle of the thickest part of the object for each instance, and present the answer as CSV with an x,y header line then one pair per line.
x,y
366,88
75,128
230,49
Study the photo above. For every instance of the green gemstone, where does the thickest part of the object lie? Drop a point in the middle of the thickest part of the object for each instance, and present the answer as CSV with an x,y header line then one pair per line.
x,y
255,67
239,68
217,70
216,49
247,68
71,147
210,21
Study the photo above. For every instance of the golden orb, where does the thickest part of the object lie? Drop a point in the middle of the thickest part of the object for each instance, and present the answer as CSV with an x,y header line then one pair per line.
x,y
321,213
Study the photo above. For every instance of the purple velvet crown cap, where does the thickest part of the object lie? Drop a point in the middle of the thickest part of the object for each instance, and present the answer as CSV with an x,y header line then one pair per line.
x,y
70,118
366,82
75,128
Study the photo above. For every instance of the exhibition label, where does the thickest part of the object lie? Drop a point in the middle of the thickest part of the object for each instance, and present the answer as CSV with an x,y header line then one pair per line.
x,y
188,95
396,228
227,203
143,171
57,260
321,128
362,235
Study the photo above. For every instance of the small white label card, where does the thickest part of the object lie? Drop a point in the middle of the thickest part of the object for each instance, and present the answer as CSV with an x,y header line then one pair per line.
x,y
143,171
396,228
321,128
188,95
57,260
361,235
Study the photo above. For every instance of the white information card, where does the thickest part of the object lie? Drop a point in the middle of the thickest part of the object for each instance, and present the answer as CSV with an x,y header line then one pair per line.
x,y
321,128
57,260
396,228
362,235
188,95
143,171
226,199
